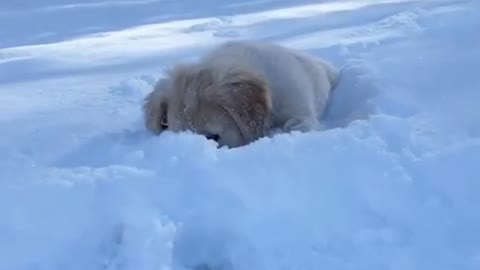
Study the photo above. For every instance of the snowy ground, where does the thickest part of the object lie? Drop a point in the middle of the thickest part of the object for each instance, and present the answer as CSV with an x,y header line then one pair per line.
x,y
393,184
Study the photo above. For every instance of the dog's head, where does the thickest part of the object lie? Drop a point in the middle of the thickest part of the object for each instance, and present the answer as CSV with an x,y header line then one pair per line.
x,y
231,106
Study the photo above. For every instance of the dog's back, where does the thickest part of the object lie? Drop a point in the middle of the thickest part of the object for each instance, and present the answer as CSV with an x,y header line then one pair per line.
x,y
300,83
267,55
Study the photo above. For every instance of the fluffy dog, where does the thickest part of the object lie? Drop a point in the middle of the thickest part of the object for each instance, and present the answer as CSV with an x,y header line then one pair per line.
x,y
241,91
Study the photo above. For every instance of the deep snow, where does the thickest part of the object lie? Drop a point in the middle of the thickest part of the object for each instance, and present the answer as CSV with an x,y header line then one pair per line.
x,y
392,185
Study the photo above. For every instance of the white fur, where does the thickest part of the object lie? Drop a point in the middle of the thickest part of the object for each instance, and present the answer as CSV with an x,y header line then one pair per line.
x,y
241,91
300,84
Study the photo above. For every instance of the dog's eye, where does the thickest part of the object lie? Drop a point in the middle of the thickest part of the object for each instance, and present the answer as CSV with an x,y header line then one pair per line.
x,y
237,84
214,137
164,123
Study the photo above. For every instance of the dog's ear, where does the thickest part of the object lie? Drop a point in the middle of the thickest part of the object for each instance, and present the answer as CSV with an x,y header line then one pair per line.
x,y
247,98
155,108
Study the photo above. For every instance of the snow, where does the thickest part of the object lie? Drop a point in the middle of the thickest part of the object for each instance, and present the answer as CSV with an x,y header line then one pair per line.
x,y
393,184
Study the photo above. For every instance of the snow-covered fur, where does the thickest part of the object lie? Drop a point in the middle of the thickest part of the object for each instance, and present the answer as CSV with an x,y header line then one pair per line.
x,y
241,91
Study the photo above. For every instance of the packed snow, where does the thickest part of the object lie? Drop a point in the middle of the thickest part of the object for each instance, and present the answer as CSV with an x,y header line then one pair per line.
x,y
394,182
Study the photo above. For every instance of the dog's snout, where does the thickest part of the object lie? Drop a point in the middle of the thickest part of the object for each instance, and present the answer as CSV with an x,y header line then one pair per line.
x,y
214,137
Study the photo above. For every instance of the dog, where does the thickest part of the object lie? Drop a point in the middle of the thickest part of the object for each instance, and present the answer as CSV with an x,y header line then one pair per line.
x,y
241,91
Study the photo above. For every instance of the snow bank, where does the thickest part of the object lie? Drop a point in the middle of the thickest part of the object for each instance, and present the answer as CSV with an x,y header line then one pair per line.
x,y
392,185
342,199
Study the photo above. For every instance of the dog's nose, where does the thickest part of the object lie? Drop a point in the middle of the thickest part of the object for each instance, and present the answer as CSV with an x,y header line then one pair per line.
x,y
214,137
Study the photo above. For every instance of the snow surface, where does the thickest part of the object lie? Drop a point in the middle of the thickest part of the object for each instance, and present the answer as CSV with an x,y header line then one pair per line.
x,y
394,184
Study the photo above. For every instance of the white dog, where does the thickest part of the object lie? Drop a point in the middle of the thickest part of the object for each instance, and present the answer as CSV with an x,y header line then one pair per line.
x,y
242,91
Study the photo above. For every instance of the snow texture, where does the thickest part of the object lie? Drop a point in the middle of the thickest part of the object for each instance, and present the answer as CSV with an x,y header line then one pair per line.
x,y
392,184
